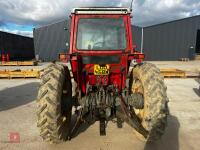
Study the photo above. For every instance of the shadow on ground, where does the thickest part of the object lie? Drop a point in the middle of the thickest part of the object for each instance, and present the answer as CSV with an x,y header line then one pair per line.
x,y
18,95
82,127
170,140
197,90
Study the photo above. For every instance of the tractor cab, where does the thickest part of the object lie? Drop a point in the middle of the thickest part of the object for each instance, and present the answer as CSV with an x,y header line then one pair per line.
x,y
101,30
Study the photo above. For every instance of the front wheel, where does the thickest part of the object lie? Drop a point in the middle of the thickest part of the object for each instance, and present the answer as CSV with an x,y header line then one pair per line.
x,y
146,80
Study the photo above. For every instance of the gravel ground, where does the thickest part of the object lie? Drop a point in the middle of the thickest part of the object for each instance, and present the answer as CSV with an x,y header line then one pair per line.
x,y
17,114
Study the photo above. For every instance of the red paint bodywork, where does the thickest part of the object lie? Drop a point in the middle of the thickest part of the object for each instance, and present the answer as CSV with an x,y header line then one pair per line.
x,y
83,73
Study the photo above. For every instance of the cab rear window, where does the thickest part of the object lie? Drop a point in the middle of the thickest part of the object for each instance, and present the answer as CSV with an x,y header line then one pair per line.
x,y
101,34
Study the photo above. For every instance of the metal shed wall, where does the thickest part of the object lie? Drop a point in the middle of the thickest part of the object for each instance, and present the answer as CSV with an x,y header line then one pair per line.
x,y
19,47
167,41
172,40
51,40
137,35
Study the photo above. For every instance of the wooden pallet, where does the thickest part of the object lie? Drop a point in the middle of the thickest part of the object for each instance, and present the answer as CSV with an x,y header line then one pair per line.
x,y
19,63
171,72
19,74
193,74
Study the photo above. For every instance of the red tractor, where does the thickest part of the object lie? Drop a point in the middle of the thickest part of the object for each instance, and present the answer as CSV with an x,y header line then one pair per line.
x,y
103,78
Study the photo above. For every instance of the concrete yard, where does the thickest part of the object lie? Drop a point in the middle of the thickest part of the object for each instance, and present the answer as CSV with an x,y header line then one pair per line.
x,y
17,114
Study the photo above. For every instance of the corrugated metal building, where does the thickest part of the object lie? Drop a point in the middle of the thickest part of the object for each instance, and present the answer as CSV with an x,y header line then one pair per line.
x,y
50,40
18,47
172,40
137,36
167,41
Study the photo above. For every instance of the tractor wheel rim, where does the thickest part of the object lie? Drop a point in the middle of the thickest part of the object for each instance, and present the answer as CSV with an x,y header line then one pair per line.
x,y
137,87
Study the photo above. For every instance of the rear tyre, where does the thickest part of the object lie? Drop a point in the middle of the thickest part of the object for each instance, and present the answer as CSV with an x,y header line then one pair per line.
x,y
146,80
54,104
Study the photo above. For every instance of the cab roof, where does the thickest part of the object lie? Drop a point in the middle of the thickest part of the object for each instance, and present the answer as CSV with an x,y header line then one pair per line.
x,y
101,10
